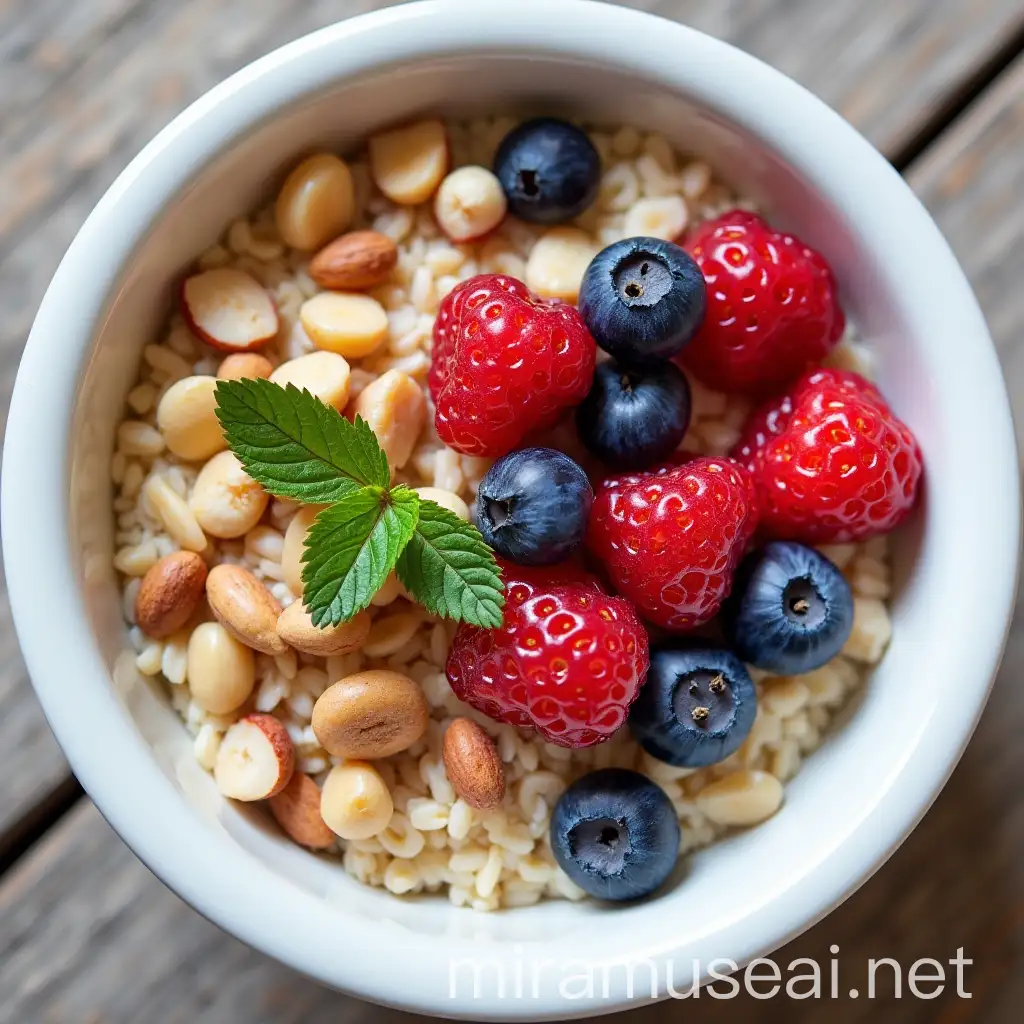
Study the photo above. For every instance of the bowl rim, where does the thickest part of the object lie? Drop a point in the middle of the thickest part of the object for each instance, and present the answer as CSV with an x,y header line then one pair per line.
x,y
206,871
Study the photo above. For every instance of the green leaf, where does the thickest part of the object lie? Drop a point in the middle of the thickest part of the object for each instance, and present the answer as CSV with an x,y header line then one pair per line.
x,y
297,446
449,569
351,548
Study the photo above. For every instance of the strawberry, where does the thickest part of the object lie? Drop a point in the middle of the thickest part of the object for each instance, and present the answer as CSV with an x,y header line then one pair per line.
x,y
671,539
831,460
772,308
567,661
505,363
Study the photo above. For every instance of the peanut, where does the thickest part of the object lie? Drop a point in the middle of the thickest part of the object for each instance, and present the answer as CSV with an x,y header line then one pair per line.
x,y
187,418
221,670
395,409
169,593
296,628
325,375
245,608
355,802
316,202
226,501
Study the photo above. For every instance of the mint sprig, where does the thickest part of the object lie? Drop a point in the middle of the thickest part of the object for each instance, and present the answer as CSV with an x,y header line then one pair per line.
x,y
299,448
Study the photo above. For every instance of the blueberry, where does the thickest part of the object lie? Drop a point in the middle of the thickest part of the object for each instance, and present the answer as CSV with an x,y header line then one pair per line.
x,y
615,833
791,610
549,170
633,418
643,299
533,506
696,708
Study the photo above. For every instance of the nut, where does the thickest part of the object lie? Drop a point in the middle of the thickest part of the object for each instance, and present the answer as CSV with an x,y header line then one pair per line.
x,y
316,202
295,627
225,500
355,802
558,262
229,309
395,409
173,511
408,164
446,499
354,262
348,323
472,764
469,204
256,759
245,608
297,810
169,593
187,418
245,365
294,545
658,217
391,589
221,671
325,375
370,715
741,798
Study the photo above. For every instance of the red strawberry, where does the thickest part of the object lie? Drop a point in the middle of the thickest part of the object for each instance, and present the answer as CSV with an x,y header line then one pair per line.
x,y
772,306
671,539
505,363
568,660
831,460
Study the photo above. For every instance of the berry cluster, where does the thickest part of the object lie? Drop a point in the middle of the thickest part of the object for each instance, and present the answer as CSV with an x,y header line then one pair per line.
x,y
747,310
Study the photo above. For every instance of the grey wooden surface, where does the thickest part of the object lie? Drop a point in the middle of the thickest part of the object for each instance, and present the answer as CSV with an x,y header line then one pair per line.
x,y
86,934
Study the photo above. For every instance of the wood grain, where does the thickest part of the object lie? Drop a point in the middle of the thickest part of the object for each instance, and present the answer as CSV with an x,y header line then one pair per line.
x,y
86,934
84,85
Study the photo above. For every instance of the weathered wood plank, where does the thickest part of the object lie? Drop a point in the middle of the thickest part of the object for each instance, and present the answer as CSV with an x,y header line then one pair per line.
x,y
85,85
86,933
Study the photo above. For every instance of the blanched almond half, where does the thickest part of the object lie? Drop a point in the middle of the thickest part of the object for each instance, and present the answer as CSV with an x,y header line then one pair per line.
x,y
325,375
245,365
469,204
316,202
297,810
256,759
408,164
229,310
348,323
558,262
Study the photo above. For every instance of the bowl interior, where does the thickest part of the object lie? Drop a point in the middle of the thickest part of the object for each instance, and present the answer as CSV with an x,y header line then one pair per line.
x,y
840,788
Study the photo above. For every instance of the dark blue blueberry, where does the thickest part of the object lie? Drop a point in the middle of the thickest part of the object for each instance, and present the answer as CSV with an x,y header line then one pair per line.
x,y
633,418
790,611
696,707
533,505
549,170
615,833
643,299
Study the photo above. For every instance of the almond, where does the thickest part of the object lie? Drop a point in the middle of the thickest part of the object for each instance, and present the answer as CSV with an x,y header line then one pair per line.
x,y
472,764
354,262
297,810
245,365
245,608
295,627
229,309
256,759
370,715
169,593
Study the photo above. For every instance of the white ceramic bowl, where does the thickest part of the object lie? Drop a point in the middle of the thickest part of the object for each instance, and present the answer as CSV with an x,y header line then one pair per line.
x,y
854,801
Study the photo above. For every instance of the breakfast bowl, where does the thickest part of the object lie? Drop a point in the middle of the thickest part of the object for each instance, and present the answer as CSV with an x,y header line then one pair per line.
x,y
954,563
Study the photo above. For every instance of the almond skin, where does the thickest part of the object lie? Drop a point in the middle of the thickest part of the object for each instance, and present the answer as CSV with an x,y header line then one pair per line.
x,y
245,608
295,627
354,262
370,715
169,593
297,810
472,764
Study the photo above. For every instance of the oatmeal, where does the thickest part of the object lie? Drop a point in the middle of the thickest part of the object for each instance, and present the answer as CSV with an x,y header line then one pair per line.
x,y
357,256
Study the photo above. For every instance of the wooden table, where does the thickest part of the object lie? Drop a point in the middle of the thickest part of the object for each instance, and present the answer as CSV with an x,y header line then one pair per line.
x,y
86,933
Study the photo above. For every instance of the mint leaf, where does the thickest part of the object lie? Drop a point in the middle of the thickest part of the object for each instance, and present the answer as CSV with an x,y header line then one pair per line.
x,y
449,569
297,446
351,548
